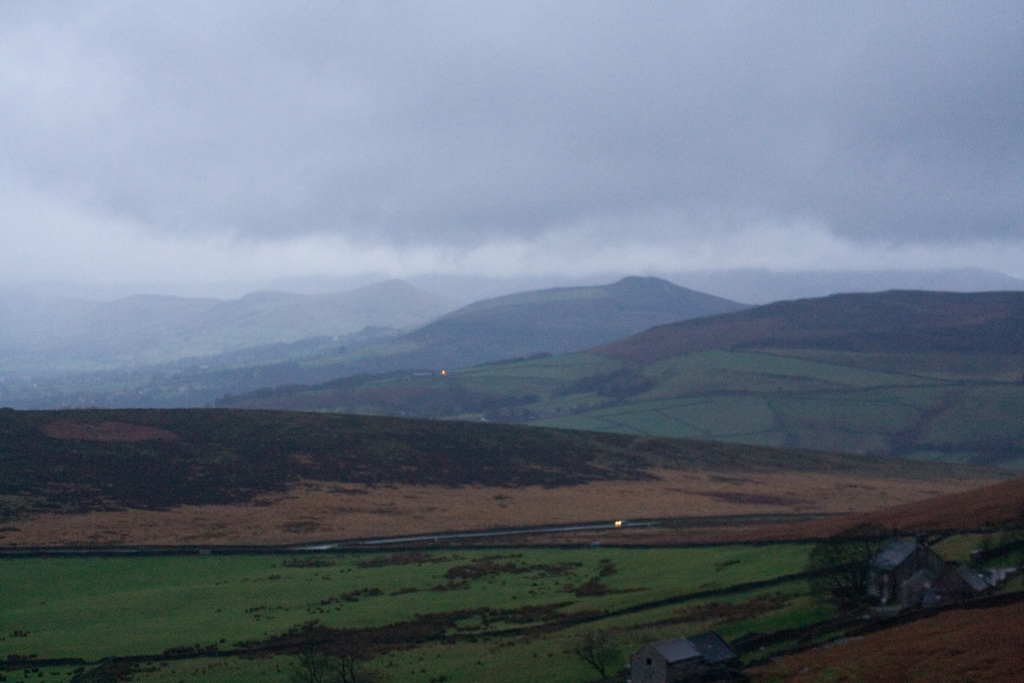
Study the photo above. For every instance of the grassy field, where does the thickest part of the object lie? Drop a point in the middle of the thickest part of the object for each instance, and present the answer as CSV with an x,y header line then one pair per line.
x,y
455,615
957,407
967,408
541,599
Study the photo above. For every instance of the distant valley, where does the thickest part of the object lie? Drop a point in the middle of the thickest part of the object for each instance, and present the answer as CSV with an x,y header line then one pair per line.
x,y
46,336
913,374
198,350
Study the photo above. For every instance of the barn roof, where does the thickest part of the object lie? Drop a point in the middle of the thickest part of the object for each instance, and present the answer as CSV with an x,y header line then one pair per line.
x,y
713,648
676,650
976,582
708,646
894,553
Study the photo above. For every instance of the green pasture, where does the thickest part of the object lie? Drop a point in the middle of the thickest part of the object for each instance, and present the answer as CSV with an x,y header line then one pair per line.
x,y
941,366
765,372
512,614
92,608
966,408
535,375
925,406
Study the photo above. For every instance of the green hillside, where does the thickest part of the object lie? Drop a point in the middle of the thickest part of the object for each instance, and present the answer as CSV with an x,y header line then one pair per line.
x,y
910,374
827,400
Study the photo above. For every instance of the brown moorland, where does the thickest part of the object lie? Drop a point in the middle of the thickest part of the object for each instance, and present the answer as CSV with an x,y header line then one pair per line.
x,y
714,505
987,506
892,321
967,644
170,477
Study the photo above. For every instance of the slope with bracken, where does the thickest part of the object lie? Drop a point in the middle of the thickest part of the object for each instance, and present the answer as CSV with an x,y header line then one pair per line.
x,y
979,640
216,476
886,322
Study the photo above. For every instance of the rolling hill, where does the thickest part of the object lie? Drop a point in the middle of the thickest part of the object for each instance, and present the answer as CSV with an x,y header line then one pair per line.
x,y
549,321
220,476
926,650
529,323
912,374
887,322
557,321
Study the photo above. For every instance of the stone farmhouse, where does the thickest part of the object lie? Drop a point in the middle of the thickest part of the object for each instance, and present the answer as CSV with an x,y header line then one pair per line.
x,y
702,657
906,574
901,572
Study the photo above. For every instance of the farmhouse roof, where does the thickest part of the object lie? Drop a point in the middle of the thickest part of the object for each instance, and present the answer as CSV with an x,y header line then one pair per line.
x,y
713,648
976,582
893,554
708,646
676,649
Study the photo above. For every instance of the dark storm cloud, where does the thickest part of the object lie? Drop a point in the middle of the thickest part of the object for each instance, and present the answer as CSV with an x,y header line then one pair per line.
x,y
459,123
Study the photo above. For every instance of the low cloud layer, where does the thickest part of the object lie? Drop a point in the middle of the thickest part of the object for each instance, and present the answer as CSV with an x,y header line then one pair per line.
x,y
231,141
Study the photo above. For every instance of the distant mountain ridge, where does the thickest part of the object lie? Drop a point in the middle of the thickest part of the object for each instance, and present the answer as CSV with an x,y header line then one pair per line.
x,y
763,286
539,322
894,321
42,334
552,321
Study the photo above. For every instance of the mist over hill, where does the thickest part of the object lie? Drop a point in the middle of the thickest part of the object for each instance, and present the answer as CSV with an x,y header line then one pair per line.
x,y
748,285
758,286
271,339
48,335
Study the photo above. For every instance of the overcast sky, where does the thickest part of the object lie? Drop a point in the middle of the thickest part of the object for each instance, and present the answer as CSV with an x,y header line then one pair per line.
x,y
154,142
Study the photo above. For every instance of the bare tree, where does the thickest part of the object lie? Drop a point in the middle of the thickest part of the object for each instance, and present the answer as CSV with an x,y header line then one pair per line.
x,y
596,649
841,564
316,665
313,665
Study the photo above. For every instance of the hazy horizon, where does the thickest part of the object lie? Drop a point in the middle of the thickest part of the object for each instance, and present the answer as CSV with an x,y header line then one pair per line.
x,y
216,147
748,286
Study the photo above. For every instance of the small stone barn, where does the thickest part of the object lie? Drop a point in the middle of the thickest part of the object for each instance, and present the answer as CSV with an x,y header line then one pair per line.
x,y
957,584
703,657
903,571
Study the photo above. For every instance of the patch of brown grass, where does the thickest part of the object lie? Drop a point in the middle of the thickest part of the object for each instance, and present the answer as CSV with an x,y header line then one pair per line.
x,y
106,431
314,511
957,645
975,508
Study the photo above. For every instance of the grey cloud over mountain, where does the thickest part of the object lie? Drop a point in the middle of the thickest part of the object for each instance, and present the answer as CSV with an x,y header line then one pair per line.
x,y
404,137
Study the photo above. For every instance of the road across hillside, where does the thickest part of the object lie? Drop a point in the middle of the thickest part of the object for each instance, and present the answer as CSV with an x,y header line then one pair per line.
x,y
395,541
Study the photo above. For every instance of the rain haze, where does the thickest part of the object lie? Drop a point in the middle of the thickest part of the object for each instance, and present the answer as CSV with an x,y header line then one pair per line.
x,y
213,148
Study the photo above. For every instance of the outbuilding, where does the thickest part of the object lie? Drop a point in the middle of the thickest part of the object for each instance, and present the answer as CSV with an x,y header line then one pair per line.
x,y
903,571
703,657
